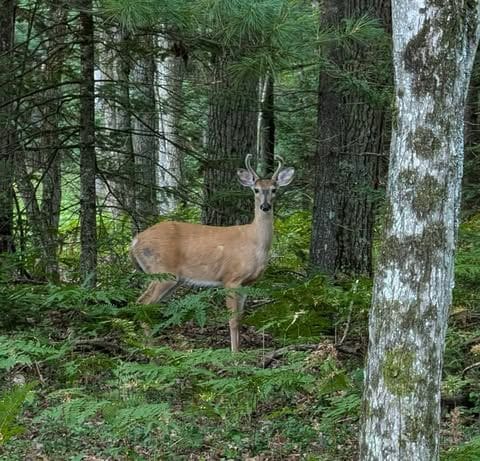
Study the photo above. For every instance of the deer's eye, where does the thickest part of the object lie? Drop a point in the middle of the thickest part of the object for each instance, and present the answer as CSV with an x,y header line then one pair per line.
x,y
256,190
274,190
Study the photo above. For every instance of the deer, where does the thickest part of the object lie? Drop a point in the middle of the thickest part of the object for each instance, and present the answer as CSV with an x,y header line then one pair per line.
x,y
213,256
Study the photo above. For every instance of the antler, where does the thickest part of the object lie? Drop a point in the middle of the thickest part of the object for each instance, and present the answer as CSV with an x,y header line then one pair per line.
x,y
280,164
249,167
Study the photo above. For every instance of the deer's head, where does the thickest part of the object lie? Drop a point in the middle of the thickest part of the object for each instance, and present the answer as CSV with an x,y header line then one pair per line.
x,y
265,189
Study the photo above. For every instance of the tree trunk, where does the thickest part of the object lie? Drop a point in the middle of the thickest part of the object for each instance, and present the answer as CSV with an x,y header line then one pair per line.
x,y
434,46
106,106
52,158
351,143
266,134
7,28
471,194
170,75
144,137
232,132
88,224
324,244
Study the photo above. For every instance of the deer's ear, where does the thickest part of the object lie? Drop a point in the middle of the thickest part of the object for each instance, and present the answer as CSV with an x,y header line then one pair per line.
x,y
285,176
246,177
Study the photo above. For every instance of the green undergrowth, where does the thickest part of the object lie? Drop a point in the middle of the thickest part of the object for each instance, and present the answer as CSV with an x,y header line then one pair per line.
x,y
132,397
121,381
88,374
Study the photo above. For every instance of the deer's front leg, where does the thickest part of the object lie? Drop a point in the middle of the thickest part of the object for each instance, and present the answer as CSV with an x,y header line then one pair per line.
x,y
235,303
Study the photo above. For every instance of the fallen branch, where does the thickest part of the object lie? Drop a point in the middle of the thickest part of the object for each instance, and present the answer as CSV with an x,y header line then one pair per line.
x,y
274,355
470,367
99,343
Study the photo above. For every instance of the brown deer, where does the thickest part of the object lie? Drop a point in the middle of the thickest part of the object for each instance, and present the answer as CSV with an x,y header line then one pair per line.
x,y
211,256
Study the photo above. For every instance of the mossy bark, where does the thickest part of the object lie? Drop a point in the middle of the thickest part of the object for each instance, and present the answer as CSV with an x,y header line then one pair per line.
x,y
434,46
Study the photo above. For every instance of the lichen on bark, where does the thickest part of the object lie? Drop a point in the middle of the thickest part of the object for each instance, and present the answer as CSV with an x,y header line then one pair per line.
x,y
428,196
424,142
427,63
398,371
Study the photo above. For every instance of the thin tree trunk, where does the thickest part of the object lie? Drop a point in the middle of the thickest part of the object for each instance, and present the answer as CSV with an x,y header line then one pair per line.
x,y
170,75
42,237
471,195
266,133
88,234
144,139
52,158
106,106
232,132
7,28
126,184
434,46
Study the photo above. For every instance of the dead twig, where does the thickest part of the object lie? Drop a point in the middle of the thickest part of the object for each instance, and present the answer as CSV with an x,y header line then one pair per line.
x,y
269,358
470,367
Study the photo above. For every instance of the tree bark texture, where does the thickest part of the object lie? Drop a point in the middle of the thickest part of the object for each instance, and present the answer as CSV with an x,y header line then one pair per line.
x,y
434,45
351,142
324,245
88,234
144,138
232,134
7,27
170,75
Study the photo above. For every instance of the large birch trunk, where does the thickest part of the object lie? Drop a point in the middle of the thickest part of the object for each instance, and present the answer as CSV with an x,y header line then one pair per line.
x,y
434,45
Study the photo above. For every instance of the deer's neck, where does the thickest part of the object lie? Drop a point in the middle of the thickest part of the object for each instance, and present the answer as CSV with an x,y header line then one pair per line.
x,y
263,228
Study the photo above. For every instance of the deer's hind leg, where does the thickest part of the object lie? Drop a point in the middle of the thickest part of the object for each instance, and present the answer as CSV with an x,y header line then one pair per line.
x,y
157,291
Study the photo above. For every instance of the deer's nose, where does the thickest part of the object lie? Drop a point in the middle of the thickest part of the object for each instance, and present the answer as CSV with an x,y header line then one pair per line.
x,y
265,206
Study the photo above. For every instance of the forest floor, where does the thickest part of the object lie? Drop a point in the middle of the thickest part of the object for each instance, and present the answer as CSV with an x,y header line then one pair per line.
x,y
89,375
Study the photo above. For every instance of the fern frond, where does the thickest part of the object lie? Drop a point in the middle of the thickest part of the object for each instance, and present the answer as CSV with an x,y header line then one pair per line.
x,y
11,403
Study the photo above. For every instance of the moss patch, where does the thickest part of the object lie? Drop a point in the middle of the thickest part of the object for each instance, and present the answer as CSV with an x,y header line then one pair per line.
x,y
424,143
420,246
425,62
398,372
428,196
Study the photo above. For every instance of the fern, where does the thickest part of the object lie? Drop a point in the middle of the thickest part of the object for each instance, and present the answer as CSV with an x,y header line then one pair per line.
x,y
341,407
239,395
469,451
122,418
192,306
10,405
24,352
